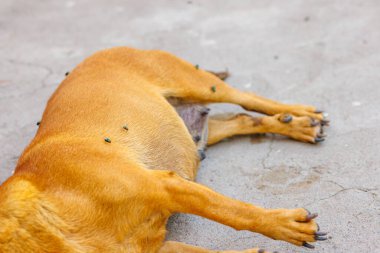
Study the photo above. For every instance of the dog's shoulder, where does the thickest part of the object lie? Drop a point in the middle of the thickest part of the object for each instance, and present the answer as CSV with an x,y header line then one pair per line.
x,y
28,220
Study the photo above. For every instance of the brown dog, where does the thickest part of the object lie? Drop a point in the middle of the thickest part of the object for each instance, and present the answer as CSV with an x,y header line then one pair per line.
x,y
117,152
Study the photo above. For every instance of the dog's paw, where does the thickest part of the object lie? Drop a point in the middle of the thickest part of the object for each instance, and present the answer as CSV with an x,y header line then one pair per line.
x,y
303,128
296,226
306,110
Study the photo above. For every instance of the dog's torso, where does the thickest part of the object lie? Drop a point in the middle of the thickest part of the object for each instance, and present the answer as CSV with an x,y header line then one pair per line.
x,y
113,90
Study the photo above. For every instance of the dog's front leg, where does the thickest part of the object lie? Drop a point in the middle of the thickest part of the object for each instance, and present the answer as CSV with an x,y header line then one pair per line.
x,y
295,226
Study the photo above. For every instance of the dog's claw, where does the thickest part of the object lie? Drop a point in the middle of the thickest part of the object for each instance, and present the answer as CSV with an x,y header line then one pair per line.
x,y
311,216
318,139
319,111
307,245
320,238
320,233
325,122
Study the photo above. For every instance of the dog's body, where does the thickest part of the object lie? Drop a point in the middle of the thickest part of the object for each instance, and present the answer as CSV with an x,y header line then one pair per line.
x,y
113,159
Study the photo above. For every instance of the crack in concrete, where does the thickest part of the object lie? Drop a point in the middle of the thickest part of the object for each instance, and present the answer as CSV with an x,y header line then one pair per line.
x,y
348,189
343,189
264,160
44,83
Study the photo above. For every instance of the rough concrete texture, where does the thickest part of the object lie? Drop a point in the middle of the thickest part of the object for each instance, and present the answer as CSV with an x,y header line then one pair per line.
x,y
323,52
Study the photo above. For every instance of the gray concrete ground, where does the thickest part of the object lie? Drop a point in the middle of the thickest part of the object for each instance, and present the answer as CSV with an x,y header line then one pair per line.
x,y
322,52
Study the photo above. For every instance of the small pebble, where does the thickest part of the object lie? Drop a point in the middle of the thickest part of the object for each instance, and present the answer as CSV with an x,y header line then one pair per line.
x,y
107,140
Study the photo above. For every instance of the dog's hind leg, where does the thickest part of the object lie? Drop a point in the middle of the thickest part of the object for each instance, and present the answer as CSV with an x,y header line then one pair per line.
x,y
300,128
180,79
178,247
210,89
